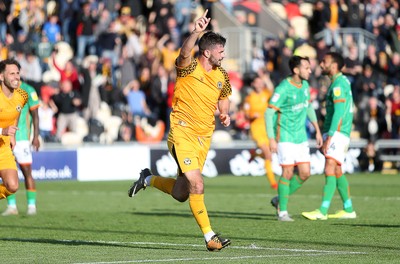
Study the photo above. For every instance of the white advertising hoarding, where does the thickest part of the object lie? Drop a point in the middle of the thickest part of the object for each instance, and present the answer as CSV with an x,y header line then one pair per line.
x,y
105,163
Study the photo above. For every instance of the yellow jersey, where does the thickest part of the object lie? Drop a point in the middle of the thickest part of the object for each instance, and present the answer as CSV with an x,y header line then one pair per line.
x,y
255,105
10,109
196,95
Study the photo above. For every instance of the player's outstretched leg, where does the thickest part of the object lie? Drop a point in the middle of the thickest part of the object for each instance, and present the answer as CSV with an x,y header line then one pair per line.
x,y
140,183
217,243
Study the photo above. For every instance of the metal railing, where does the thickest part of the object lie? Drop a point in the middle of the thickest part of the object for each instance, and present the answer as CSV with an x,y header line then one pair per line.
x,y
362,38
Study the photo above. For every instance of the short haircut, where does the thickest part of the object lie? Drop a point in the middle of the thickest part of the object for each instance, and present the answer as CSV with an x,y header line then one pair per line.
x,y
4,63
210,39
295,61
337,58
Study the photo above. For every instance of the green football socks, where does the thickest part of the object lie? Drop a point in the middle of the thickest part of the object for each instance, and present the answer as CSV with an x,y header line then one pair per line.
x,y
344,191
295,183
11,200
31,197
283,192
329,191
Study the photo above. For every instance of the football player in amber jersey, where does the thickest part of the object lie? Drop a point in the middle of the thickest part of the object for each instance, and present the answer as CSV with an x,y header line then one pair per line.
x,y
29,118
201,86
255,105
12,100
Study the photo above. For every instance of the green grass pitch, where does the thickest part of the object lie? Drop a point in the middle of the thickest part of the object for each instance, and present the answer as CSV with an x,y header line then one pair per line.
x,y
96,222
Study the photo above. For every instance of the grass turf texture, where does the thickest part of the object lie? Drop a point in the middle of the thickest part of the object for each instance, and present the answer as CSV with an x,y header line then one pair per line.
x,y
96,222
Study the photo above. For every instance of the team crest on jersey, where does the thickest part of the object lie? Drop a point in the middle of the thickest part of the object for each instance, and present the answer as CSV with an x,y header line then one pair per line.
x,y
337,91
219,85
275,98
18,108
187,161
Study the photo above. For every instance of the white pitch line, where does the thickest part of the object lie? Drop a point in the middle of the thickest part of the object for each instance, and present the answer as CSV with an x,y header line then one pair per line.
x,y
307,252
208,258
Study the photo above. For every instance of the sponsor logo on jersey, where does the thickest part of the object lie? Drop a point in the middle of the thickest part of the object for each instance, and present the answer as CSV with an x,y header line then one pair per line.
x,y
34,96
219,85
275,98
18,108
300,106
337,91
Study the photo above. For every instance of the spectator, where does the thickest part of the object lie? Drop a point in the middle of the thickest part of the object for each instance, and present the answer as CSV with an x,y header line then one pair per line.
x,y
44,49
113,6
159,90
169,52
393,71
367,85
31,71
67,102
160,12
47,113
388,31
108,43
174,31
19,44
371,57
355,14
4,12
373,11
292,9
373,119
136,99
69,72
183,18
369,159
334,18
317,21
31,20
68,11
145,81
52,30
353,66
393,109
92,81
87,20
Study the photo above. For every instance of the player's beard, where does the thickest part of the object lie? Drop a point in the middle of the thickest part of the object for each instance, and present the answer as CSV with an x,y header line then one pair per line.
x,y
326,71
11,84
214,62
304,78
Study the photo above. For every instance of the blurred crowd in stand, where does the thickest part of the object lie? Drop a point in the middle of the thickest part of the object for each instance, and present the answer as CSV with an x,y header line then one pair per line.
x,y
104,69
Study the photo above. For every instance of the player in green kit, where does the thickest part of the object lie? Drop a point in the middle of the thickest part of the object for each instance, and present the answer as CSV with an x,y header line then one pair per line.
x,y
22,150
286,124
336,133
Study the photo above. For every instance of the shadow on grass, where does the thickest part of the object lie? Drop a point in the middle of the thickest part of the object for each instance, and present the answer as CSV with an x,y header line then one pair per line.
x,y
369,225
149,245
212,214
172,246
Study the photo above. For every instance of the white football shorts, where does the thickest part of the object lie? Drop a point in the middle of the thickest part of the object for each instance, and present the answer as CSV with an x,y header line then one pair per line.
x,y
290,154
338,147
22,152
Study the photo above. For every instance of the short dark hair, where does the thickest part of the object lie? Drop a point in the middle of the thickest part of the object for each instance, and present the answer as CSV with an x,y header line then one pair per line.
x,y
4,63
210,39
338,58
295,61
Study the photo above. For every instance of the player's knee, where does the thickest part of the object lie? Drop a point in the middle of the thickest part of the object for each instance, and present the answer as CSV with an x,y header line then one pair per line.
x,y
181,197
12,187
304,176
